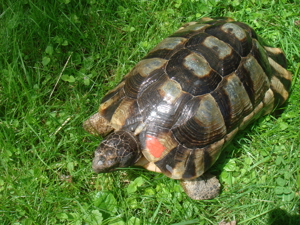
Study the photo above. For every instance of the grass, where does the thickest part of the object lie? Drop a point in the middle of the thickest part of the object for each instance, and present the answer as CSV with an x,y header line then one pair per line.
x,y
58,58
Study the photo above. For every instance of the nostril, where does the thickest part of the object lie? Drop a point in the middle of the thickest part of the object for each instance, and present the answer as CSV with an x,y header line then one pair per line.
x,y
102,159
100,163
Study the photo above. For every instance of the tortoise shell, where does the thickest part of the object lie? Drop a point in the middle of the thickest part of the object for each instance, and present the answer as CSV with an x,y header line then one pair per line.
x,y
187,99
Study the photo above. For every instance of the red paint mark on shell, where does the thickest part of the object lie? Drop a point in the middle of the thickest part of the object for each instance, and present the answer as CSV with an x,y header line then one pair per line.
x,y
154,146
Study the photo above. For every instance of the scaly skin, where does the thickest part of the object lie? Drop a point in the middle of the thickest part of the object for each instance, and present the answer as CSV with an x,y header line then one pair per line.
x,y
119,149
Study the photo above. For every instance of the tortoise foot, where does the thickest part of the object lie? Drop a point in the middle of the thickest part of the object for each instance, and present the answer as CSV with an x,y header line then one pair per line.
x,y
206,186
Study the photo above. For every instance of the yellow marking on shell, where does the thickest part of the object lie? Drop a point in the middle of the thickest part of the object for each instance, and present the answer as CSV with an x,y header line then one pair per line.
x,y
148,155
256,113
214,151
179,169
139,129
247,119
263,108
111,100
257,75
238,98
231,135
186,25
281,72
122,113
258,110
169,43
279,88
152,167
268,102
170,91
197,64
115,88
275,51
192,26
162,108
146,66
176,172
220,47
205,116
147,165
205,19
228,138
234,29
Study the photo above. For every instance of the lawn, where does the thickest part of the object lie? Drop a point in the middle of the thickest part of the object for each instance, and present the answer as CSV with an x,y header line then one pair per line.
x,y
57,60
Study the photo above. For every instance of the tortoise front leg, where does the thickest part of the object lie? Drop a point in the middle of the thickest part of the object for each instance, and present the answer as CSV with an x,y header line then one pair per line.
x,y
206,186
97,125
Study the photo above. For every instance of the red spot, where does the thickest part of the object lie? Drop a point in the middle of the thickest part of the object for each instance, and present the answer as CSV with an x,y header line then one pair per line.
x,y
154,146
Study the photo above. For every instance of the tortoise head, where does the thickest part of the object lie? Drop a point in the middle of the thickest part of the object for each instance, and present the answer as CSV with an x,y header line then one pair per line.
x,y
119,149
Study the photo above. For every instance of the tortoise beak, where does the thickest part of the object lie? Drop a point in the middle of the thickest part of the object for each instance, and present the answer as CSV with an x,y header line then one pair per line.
x,y
104,164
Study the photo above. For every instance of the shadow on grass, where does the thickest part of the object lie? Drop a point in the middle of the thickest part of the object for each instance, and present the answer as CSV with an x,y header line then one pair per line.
x,y
280,217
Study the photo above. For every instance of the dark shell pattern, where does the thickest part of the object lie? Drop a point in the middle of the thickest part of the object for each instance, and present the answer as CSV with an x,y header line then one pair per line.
x,y
194,91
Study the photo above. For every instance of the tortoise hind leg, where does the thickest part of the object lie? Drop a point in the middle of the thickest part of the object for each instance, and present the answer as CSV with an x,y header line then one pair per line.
x,y
97,125
206,186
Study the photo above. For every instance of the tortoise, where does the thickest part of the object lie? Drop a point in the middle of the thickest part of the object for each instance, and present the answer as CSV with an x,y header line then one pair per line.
x,y
181,105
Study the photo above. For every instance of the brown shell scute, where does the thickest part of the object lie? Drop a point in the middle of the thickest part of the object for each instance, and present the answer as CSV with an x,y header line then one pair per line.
x,y
186,163
220,56
233,101
233,35
187,99
144,74
193,72
254,79
261,56
162,107
166,48
200,127
250,31
111,103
